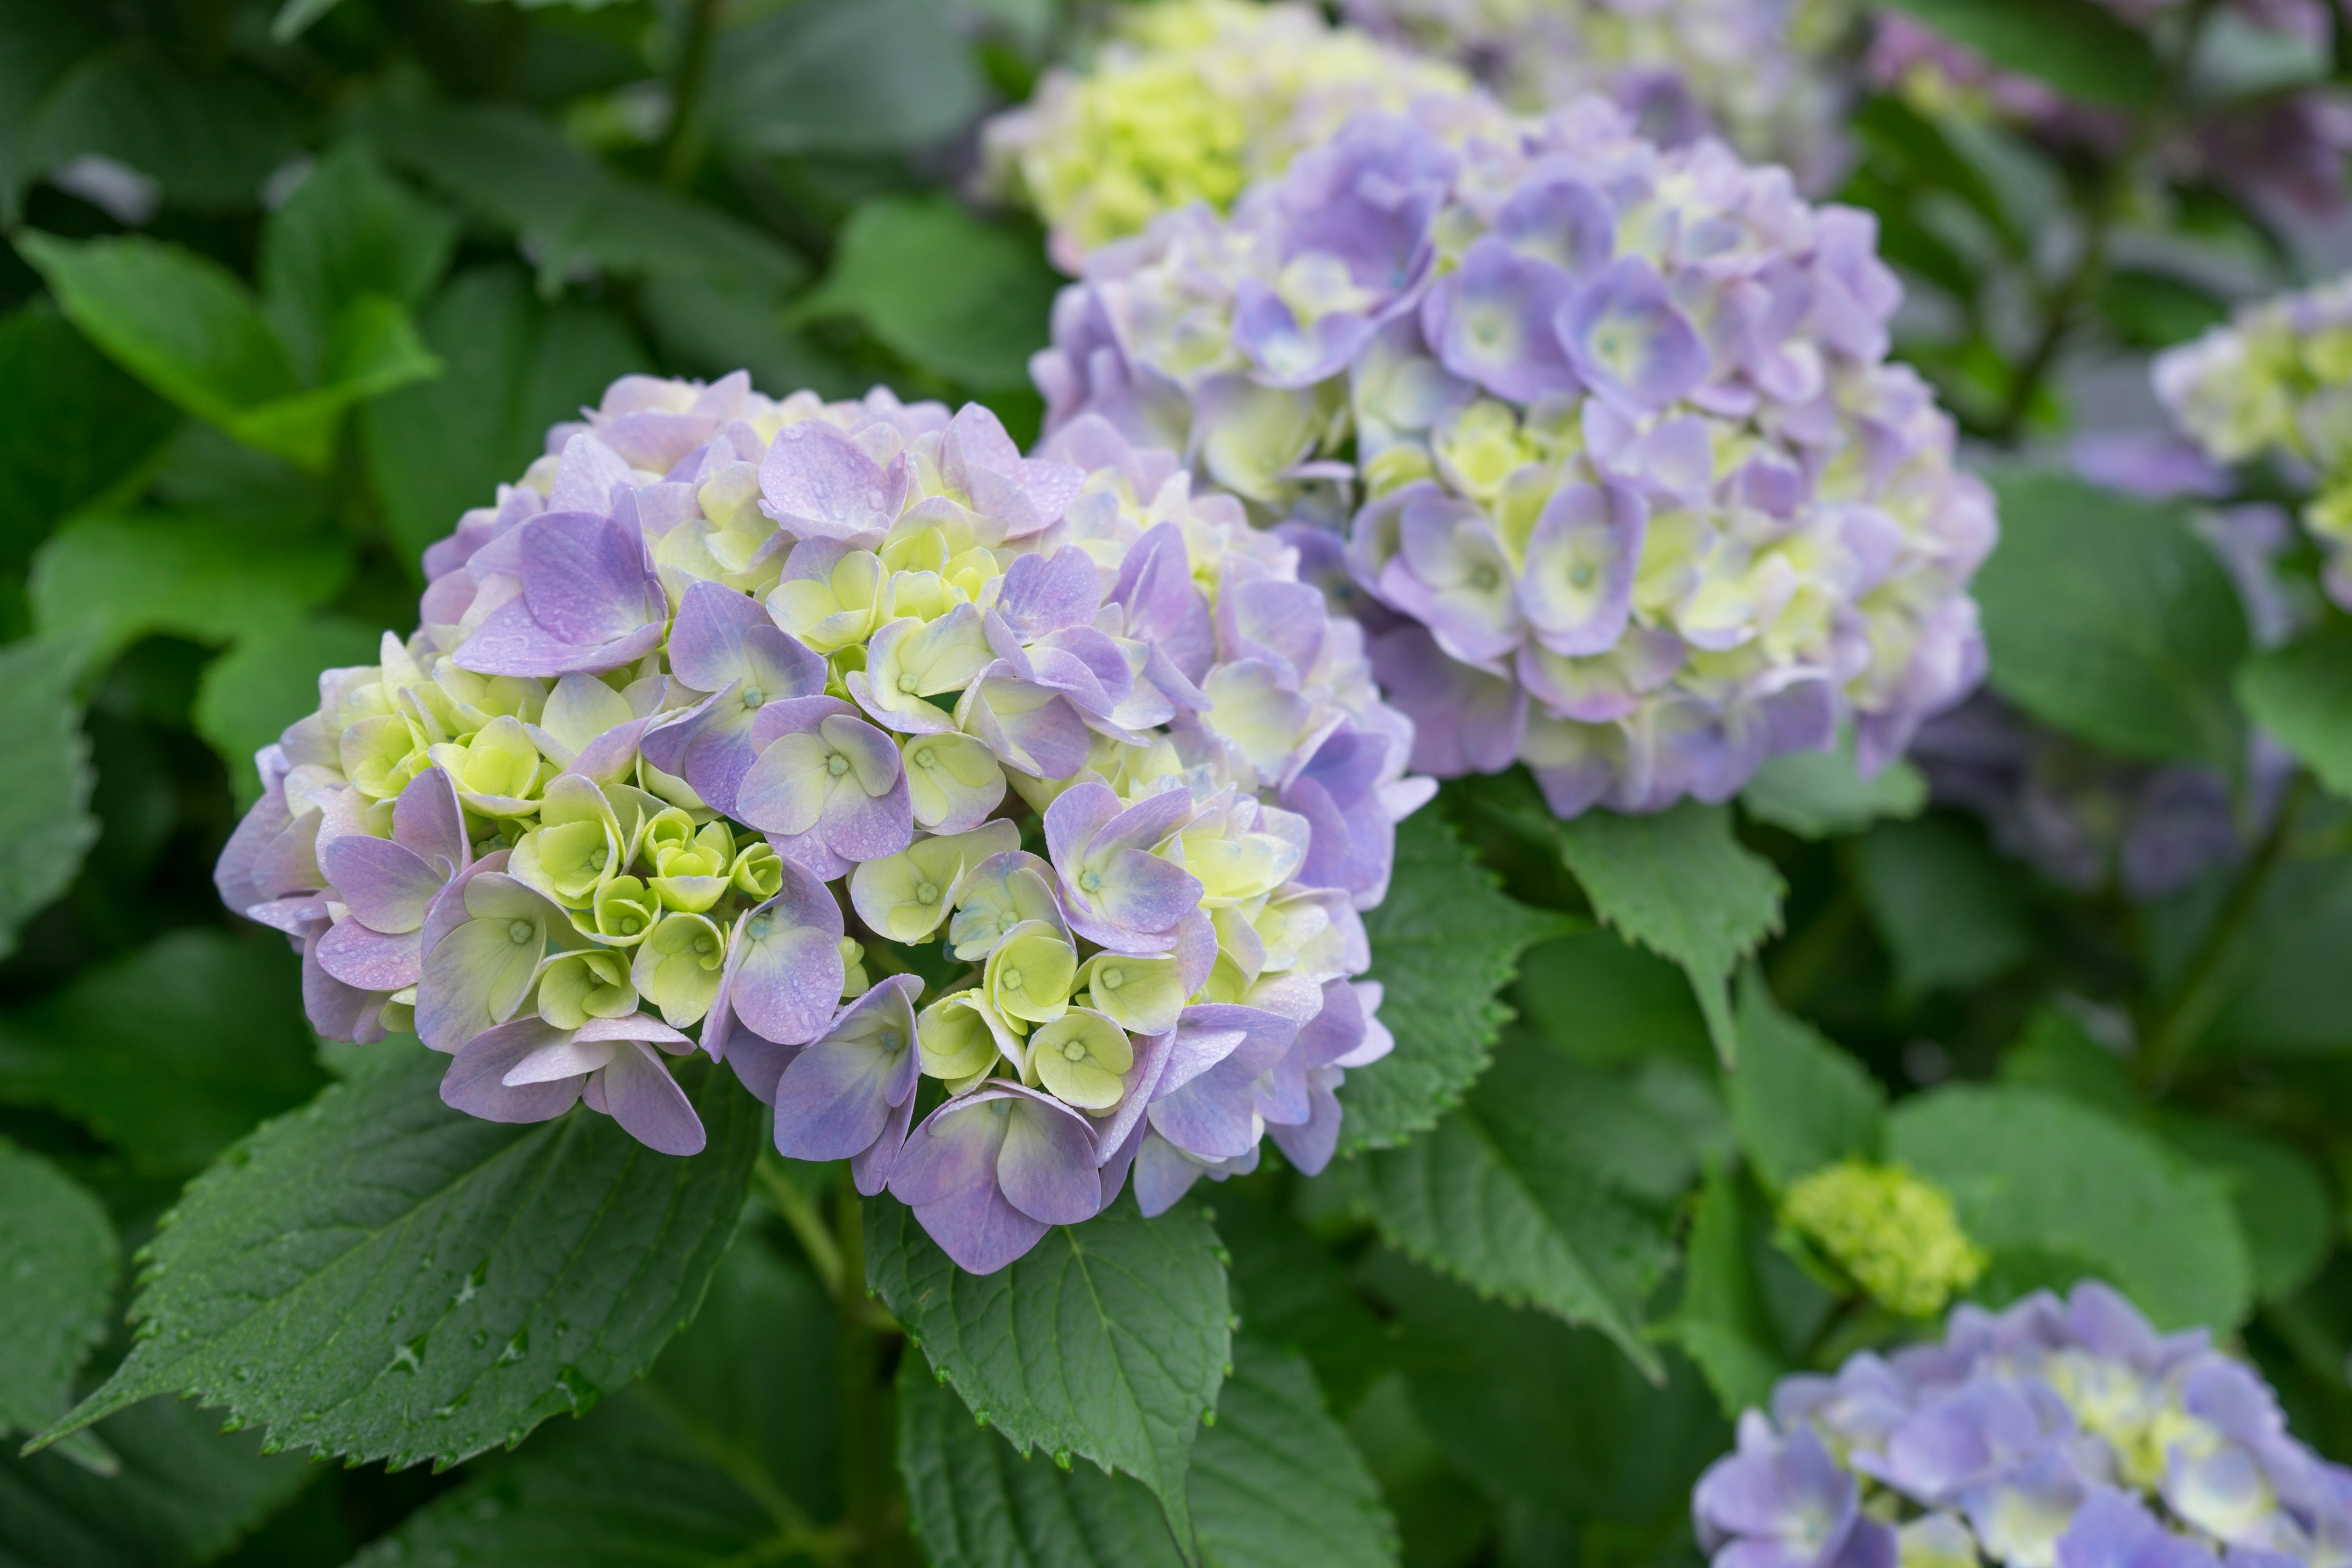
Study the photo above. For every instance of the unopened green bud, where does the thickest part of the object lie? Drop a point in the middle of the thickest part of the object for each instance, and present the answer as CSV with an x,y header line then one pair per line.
x,y
1893,1233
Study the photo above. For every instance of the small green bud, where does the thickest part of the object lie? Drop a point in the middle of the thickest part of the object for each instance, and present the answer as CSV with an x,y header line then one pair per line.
x,y
1895,1234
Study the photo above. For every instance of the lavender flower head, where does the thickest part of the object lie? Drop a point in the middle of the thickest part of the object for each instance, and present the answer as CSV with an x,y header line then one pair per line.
x,y
1627,488
728,700
1189,100
2275,384
1758,73
2053,1435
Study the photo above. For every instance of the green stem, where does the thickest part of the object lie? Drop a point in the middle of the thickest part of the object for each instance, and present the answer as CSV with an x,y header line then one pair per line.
x,y
2062,305
800,1212
682,142
2182,1017
867,1471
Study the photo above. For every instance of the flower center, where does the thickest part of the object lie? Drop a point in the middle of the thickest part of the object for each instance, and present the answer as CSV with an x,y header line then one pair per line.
x,y
929,757
754,697
1482,579
1581,574
518,931
1074,1051
929,893
703,945
1112,978
1012,978
761,925
1091,882
837,765
908,683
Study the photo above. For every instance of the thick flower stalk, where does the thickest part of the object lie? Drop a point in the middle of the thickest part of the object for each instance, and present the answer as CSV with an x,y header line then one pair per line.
x,y
2275,384
2056,1433
1189,100
1758,73
1628,489
731,704
2280,146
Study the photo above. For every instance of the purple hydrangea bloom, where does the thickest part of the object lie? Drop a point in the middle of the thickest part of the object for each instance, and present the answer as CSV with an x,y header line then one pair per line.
x,y
730,701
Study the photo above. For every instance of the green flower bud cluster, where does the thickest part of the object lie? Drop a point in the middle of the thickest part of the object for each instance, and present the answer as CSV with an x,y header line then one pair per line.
x,y
1894,1233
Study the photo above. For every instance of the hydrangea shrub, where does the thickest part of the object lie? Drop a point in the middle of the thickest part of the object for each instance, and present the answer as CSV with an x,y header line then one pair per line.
x,y
735,718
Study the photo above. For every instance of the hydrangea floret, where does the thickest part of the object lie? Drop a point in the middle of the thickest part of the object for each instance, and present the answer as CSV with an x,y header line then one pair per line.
x,y
1189,100
731,705
2056,1433
2274,382
1761,74
1892,1232
1627,487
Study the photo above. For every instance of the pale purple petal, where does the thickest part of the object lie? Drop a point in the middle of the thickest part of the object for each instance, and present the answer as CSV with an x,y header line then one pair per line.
x,y
640,1094
476,1084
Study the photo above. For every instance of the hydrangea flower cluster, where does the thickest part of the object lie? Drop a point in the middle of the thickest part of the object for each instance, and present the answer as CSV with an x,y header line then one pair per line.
x,y
1889,1230
2287,146
1643,502
734,715
2054,1433
2275,382
1189,101
1758,73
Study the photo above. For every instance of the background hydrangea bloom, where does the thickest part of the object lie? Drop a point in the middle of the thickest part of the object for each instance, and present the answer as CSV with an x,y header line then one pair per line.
x,y
1628,490
1756,72
1190,101
729,698
2066,1432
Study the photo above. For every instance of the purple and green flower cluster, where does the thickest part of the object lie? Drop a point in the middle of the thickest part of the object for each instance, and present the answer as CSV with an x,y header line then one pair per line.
x,y
1608,450
2053,1435
730,703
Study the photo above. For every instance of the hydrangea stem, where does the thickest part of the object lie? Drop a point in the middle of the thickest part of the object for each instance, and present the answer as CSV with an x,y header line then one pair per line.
x,y
800,1212
682,141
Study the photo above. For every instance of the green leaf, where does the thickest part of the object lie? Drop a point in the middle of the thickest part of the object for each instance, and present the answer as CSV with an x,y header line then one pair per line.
x,y
1821,795
1445,941
379,1276
249,694
1554,1186
172,1052
2284,985
45,825
1951,915
1798,1102
949,294
119,576
2302,695
1549,1415
1274,1482
2055,1053
2034,1172
1109,1341
38,43
57,1254
210,137
2108,618
72,426
1721,1321
715,1458
712,328
571,212
516,366
349,232
1597,998
1295,1293
2085,51
182,1494
845,75
1679,884
2281,1200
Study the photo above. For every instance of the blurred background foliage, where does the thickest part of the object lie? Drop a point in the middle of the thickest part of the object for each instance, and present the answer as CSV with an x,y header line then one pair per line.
x,y
293,282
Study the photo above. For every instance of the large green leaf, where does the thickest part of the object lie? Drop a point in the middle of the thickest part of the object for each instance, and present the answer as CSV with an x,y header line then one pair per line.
x,y
209,138
181,1493
39,42
2281,1201
1821,794
1606,1002
349,232
2035,1173
1798,1102
516,366
2302,695
72,426
119,576
1445,941
2107,617
172,1052
1274,1482
45,825
266,682
1294,1293
2084,50
721,1456
1679,884
1108,1342
1951,915
58,1259
1552,1186
847,76
1722,1322
951,294
379,1276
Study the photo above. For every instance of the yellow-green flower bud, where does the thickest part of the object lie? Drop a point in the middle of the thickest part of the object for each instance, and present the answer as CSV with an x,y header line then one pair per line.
x,y
379,755
1142,994
1029,976
692,876
758,872
958,1043
1080,1058
677,966
592,982
500,772
624,910
1893,1233
853,983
